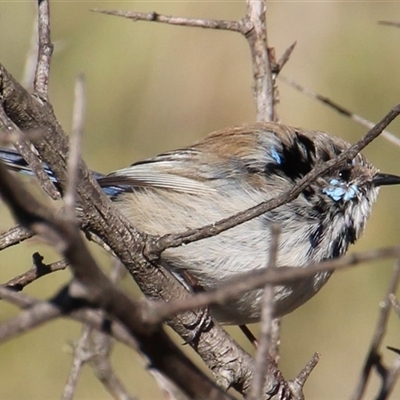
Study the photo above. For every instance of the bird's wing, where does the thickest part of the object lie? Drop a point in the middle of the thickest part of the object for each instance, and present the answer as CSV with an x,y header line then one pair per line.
x,y
176,170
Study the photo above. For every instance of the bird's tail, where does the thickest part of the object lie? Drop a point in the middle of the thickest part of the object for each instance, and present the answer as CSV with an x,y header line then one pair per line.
x,y
14,161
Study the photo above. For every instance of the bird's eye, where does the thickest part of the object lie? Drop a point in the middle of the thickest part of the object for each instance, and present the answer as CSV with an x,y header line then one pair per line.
x,y
345,174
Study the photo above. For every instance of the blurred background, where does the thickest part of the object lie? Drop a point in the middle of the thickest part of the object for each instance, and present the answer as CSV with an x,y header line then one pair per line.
x,y
153,87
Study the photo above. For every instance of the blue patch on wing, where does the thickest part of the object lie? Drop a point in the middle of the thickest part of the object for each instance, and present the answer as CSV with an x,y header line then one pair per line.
x,y
275,155
113,191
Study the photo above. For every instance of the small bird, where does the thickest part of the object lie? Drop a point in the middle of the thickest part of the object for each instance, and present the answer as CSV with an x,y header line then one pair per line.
x,y
230,171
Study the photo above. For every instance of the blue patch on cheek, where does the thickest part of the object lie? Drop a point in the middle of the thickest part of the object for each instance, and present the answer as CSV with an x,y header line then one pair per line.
x,y
335,193
275,155
350,193
339,192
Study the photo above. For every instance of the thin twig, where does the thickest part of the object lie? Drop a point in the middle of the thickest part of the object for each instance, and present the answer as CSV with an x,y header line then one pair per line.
x,y
75,147
168,389
275,339
22,300
390,23
36,165
81,356
45,51
373,356
38,270
267,315
26,150
284,59
95,239
100,345
28,75
36,315
13,236
249,335
296,385
390,379
235,26
262,71
337,107
395,304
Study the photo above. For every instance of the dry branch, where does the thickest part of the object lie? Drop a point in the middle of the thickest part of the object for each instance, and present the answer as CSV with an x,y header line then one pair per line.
x,y
340,109
231,365
90,286
373,358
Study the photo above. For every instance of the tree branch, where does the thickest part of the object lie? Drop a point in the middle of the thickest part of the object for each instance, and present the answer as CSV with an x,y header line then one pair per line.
x,y
41,82
91,285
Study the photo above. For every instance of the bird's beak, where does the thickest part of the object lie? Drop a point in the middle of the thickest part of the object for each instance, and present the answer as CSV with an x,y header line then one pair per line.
x,y
385,179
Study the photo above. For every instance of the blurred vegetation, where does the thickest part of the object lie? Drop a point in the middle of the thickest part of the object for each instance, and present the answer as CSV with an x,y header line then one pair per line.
x,y
153,87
